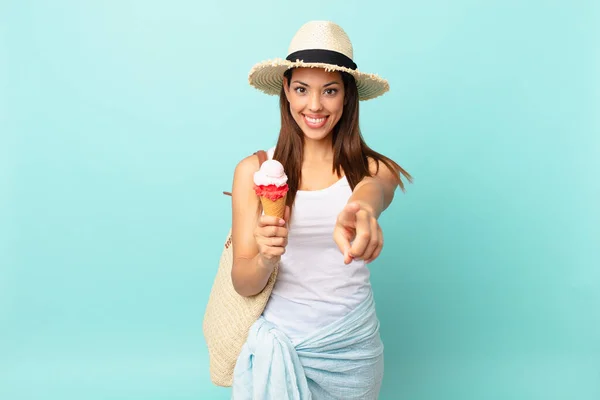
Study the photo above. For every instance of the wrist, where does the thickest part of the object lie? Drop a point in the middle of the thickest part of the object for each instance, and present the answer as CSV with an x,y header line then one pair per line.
x,y
369,195
365,206
265,265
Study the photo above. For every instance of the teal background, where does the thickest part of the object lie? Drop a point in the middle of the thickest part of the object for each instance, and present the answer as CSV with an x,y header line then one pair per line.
x,y
122,122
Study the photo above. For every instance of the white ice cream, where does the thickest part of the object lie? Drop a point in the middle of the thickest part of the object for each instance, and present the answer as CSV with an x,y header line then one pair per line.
x,y
270,173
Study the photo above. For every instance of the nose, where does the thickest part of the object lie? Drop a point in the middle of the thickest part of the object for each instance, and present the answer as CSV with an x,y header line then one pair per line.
x,y
315,102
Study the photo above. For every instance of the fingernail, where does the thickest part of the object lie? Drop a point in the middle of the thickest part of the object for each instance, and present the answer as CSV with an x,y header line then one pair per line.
x,y
281,222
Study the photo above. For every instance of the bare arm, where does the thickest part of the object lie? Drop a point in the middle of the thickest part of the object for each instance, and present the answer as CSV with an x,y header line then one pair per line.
x,y
377,192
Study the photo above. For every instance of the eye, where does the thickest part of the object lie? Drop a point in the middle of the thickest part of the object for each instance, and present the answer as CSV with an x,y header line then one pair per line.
x,y
300,90
330,92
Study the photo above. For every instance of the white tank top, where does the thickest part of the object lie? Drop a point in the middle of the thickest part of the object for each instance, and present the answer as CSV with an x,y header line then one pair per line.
x,y
314,287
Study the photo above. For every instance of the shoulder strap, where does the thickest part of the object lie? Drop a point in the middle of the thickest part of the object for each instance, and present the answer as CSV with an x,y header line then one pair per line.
x,y
262,157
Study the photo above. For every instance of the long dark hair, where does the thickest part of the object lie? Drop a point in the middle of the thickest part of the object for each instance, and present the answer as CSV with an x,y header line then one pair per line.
x,y
350,152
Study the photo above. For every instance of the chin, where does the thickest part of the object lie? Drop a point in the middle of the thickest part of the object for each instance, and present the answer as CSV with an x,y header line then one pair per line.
x,y
312,135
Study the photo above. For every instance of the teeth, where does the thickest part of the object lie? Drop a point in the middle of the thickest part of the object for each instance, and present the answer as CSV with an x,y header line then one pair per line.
x,y
315,121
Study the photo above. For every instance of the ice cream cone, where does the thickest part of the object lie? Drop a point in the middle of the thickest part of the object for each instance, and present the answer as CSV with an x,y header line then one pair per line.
x,y
273,208
270,185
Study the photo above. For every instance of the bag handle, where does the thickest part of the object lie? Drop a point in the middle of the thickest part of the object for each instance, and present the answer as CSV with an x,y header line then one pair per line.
x,y
262,157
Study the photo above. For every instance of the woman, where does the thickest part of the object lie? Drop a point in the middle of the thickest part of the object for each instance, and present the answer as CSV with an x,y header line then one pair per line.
x,y
318,336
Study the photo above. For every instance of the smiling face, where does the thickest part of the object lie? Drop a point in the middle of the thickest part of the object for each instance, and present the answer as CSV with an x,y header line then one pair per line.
x,y
316,100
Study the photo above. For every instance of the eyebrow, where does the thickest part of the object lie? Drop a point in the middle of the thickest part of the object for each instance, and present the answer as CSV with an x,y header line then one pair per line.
x,y
327,84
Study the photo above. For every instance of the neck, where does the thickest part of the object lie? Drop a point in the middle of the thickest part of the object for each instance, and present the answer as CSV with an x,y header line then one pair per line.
x,y
318,150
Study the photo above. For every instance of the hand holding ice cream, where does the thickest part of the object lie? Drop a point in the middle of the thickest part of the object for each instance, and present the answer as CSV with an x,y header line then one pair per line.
x,y
270,185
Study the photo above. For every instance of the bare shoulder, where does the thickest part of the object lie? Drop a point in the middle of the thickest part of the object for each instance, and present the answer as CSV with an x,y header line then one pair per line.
x,y
246,167
374,165
243,181
380,170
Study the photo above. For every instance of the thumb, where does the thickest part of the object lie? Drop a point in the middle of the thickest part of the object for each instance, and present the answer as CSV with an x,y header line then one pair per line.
x,y
286,214
347,217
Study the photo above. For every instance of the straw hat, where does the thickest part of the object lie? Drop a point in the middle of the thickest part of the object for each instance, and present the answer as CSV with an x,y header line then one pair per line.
x,y
317,44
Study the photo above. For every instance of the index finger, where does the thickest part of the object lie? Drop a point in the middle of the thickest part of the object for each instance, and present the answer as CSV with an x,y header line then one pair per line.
x,y
343,243
363,234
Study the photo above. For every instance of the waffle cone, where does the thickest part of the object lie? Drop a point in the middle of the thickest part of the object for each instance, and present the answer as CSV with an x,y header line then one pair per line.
x,y
274,208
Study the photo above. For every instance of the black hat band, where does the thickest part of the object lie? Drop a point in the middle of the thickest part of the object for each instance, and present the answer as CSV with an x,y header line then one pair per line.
x,y
322,56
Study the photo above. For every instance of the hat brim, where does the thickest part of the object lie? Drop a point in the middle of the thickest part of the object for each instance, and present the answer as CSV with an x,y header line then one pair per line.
x,y
267,77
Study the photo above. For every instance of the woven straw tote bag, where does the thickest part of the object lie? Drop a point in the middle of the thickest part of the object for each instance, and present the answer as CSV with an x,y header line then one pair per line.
x,y
229,316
